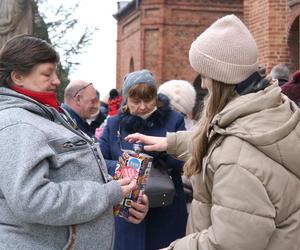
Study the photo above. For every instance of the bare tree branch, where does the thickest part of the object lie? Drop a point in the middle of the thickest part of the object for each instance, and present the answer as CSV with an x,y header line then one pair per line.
x,y
59,29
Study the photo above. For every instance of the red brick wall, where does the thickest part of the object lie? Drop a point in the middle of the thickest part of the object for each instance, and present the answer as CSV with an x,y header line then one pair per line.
x,y
129,47
157,35
256,18
267,20
152,29
275,26
184,21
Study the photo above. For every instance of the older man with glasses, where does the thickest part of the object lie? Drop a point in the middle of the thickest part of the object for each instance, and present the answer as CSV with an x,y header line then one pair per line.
x,y
81,103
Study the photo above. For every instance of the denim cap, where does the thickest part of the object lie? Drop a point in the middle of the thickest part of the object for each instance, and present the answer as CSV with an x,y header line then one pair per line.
x,y
136,77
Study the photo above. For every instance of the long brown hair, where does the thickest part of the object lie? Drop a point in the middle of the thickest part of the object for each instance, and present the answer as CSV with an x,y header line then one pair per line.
x,y
220,95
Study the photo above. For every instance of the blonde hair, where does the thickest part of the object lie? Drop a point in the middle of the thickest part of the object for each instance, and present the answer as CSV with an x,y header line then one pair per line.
x,y
220,95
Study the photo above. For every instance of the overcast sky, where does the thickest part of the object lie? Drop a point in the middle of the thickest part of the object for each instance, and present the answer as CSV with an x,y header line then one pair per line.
x,y
98,64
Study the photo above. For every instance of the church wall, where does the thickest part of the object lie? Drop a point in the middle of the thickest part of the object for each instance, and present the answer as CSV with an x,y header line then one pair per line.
x,y
158,33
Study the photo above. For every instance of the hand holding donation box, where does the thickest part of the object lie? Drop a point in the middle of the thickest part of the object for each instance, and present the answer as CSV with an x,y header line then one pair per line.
x,y
134,165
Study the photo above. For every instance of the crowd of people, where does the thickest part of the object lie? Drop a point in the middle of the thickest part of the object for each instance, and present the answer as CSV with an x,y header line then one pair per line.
x,y
58,161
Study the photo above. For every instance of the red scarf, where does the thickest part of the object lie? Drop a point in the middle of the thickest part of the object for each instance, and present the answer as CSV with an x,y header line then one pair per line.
x,y
46,98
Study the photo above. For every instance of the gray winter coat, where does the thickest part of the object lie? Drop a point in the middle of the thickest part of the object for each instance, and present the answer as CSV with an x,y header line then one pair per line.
x,y
54,189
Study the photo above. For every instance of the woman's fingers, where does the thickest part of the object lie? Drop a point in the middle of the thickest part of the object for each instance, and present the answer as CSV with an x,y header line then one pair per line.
x,y
127,185
136,137
138,211
152,143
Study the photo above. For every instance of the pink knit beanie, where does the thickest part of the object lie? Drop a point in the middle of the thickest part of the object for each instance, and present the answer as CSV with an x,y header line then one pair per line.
x,y
225,52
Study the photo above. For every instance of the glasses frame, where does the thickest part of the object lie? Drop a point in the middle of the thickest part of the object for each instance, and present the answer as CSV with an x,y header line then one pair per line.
x,y
84,87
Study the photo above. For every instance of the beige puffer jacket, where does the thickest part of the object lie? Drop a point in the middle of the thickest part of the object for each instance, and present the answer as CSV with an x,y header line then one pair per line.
x,y
248,194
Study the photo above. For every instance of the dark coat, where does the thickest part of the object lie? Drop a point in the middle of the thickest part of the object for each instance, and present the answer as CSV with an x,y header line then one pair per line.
x,y
292,88
81,123
161,225
96,123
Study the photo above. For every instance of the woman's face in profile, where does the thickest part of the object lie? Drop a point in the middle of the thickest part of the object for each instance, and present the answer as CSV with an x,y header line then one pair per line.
x,y
42,78
140,107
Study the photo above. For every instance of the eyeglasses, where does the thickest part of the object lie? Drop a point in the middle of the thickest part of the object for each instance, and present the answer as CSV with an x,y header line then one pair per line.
x,y
77,92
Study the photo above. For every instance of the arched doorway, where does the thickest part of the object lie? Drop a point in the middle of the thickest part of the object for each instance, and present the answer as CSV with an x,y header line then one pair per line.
x,y
293,44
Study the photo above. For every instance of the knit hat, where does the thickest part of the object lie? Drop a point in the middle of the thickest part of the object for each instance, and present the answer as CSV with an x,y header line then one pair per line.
x,y
225,52
181,93
141,76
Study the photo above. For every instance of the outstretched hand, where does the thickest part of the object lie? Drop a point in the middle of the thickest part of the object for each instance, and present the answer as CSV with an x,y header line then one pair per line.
x,y
152,143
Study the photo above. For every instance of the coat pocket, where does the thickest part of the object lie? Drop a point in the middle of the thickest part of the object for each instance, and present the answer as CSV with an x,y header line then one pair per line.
x,y
64,145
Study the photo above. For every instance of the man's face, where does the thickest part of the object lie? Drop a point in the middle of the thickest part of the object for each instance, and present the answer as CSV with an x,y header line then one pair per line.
x,y
88,102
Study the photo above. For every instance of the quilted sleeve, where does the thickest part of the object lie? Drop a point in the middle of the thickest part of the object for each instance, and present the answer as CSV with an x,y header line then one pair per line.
x,y
242,215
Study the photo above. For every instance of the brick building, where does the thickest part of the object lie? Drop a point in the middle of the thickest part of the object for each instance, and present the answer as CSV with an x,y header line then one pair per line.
x,y
157,34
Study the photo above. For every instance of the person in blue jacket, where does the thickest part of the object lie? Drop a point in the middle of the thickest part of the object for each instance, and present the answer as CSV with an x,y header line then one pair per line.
x,y
146,112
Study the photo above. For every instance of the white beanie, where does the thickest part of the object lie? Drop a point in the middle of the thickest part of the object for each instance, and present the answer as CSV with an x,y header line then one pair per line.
x,y
181,93
225,52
